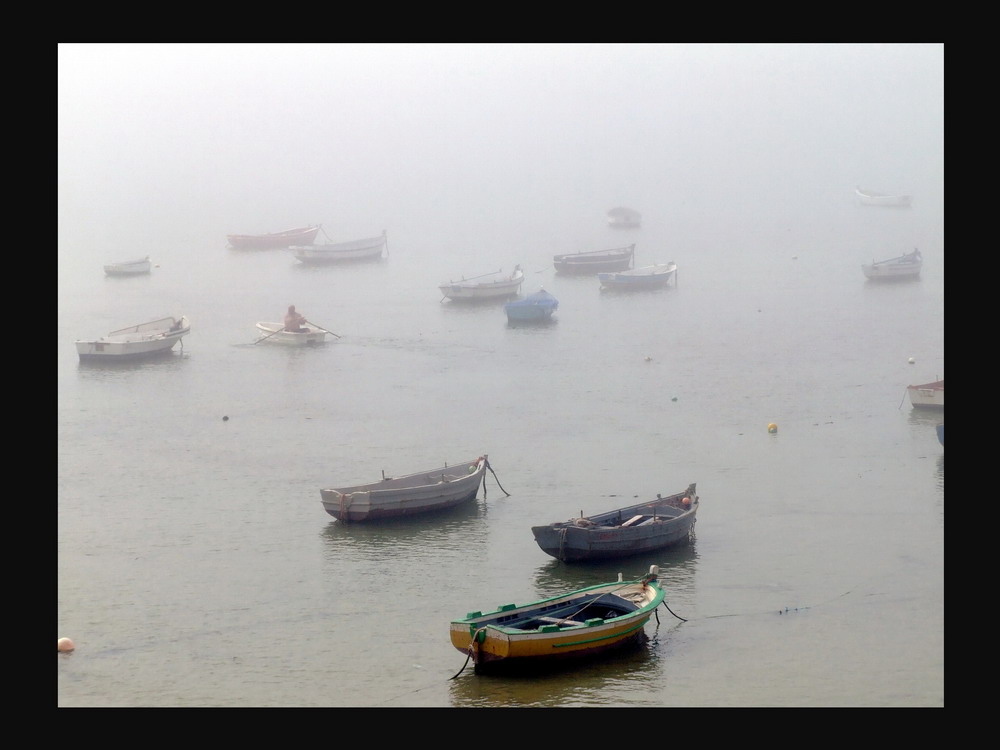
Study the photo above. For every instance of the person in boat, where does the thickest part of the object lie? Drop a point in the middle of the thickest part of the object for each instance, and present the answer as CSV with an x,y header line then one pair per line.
x,y
294,320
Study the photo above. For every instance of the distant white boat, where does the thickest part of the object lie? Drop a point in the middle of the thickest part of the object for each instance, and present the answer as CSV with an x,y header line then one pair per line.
x,y
143,340
869,198
496,285
903,267
624,218
335,252
129,267
644,277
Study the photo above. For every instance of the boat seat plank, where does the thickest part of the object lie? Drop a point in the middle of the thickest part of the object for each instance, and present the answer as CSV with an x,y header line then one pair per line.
x,y
633,520
559,620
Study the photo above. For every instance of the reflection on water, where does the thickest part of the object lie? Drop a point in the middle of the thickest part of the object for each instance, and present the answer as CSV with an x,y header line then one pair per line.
x,y
461,529
613,679
534,325
165,360
926,417
677,567
340,267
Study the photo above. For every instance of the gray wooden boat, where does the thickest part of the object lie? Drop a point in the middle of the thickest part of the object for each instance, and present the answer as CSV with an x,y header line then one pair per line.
x,y
633,530
394,497
594,261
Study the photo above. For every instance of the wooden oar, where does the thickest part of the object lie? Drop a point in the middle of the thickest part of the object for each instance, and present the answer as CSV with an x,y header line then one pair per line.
x,y
272,333
322,328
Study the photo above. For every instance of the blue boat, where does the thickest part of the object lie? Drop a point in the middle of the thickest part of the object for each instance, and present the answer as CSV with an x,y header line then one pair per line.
x,y
940,432
533,308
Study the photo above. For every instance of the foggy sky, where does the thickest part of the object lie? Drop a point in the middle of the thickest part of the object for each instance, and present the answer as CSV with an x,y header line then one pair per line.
x,y
261,137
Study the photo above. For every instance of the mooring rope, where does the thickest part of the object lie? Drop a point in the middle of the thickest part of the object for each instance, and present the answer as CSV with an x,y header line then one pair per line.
x,y
495,477
670,611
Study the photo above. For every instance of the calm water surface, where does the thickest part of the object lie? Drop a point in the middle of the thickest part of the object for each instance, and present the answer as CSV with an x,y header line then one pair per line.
x,y
196,566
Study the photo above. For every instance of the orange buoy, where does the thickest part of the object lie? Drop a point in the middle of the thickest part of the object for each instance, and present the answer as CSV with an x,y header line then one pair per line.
x,y
65,644
772,428
686,501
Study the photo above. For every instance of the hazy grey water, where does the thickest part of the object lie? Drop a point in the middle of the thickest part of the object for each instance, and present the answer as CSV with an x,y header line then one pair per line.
x,y
196,566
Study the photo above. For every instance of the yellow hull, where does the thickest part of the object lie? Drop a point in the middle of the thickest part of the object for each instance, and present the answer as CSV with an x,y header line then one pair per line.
x,y
496,639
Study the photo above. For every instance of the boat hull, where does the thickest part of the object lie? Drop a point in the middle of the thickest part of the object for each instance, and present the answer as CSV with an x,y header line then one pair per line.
x,y
137,342
624,218
273,333
488,287
927,395
526,314
940,433
413,494
340,252
535,307
129,268
301,236
593,262
904,267
655,277
889,201
625,532
522,638
889,271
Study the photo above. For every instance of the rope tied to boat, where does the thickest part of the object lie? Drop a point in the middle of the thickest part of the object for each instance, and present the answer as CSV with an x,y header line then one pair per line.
x,y
670,611
472,651
495,477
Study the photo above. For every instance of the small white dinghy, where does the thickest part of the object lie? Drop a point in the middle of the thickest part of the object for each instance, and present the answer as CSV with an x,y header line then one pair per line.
x,y
275,333
129,267
143,340
903,267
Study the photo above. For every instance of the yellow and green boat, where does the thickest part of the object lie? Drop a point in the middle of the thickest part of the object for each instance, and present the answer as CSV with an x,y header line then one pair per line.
x,y
581,624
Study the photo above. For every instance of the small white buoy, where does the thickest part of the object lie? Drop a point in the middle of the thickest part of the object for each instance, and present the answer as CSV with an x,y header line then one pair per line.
x,y
65,644
648,358
910,360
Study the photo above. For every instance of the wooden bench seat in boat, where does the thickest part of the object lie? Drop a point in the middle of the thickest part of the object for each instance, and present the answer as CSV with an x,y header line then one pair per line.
x,y
559,620
634,520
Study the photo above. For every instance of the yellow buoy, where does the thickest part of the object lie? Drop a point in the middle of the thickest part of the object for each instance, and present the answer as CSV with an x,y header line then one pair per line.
x,y
772,428
65,644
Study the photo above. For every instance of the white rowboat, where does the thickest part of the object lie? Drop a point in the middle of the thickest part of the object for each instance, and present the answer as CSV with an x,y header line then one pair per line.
x,y
877,199
129,267
275,333
143,340
497,285
645,277
369,248
903,267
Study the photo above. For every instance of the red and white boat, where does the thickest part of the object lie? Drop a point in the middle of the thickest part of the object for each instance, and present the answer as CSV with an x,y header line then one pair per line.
x,y
927,395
